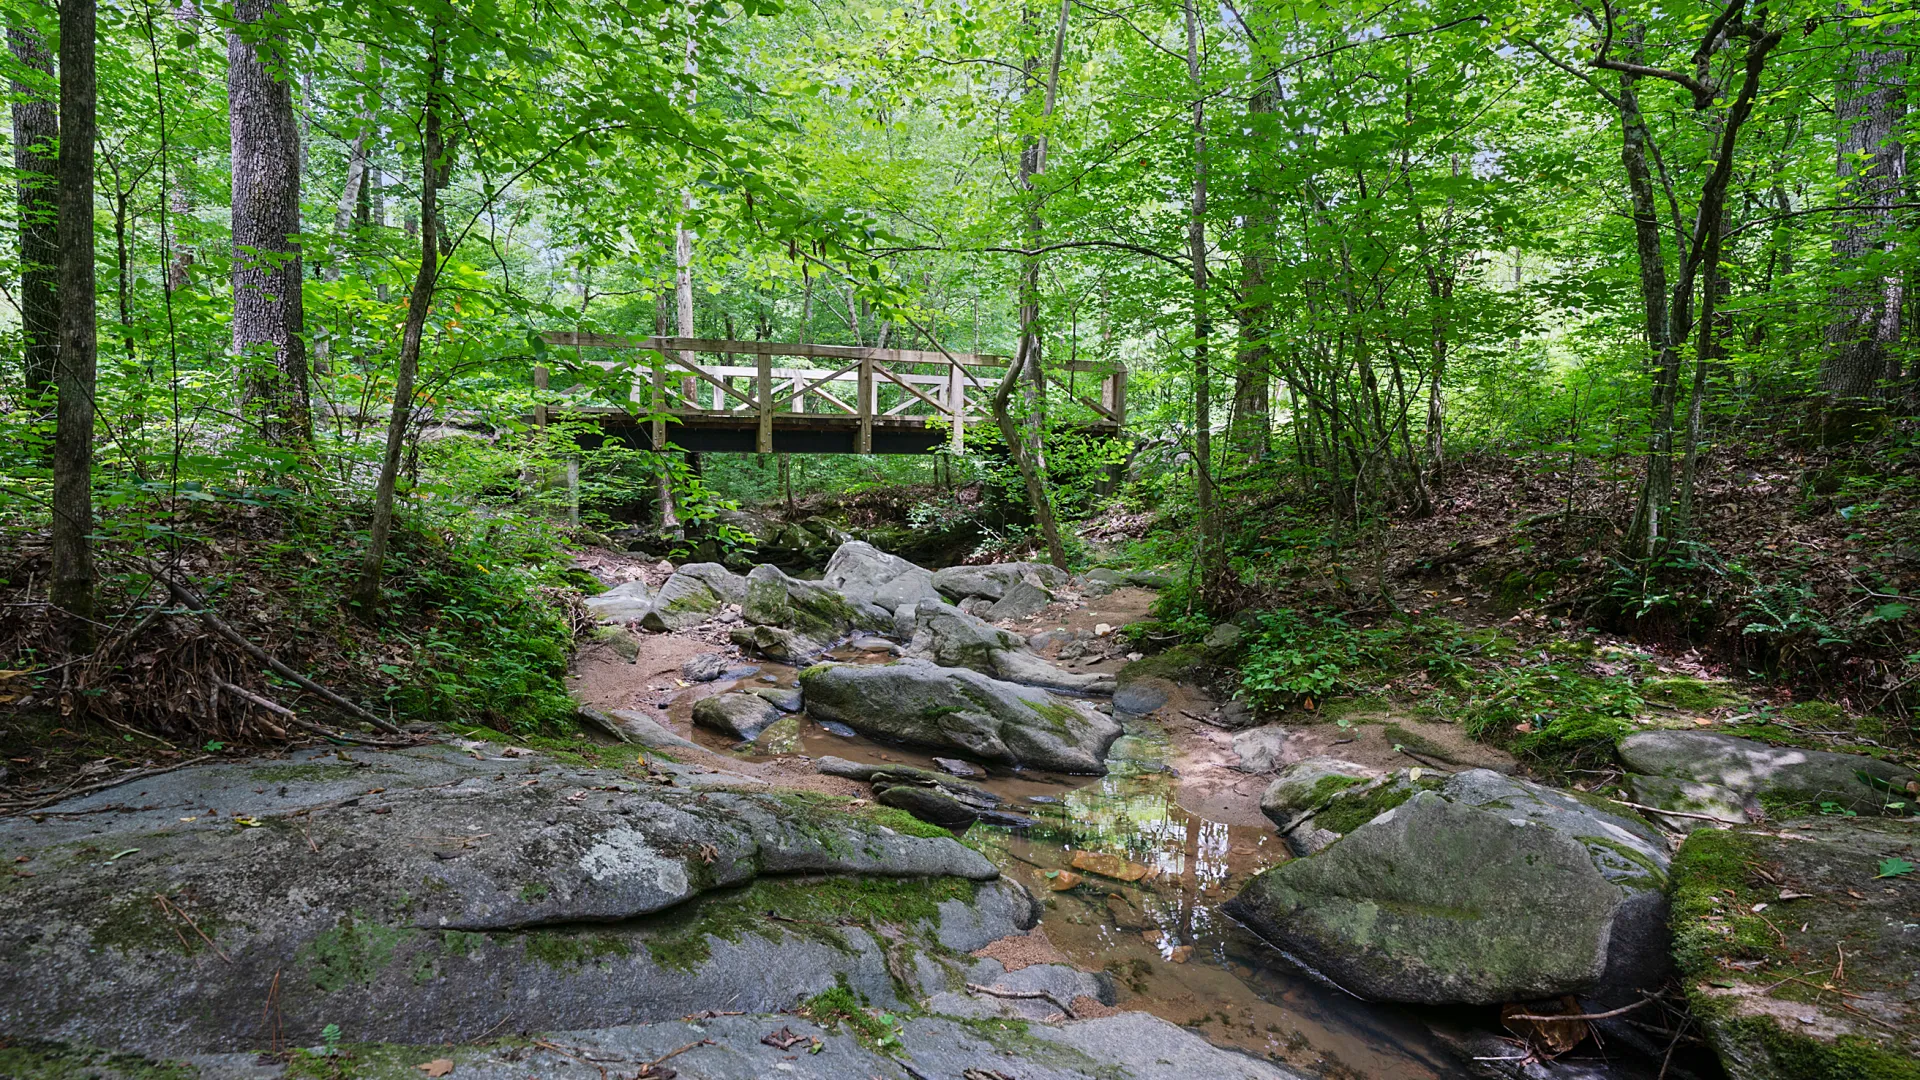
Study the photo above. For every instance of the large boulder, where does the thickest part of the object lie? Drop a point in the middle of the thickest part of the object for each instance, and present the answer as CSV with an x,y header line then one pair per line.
x,y
743,716
994,579
425,895
814,611
866,575
1477,889
1022,600
1756,909
622,603
948,636
1780,777
695,593
956,708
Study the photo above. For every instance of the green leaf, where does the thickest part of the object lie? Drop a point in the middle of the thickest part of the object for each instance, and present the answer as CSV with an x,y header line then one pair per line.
x,y
1893,867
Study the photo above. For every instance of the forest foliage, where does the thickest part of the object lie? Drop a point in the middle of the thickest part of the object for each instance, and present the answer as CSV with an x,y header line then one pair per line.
x,y
1340,251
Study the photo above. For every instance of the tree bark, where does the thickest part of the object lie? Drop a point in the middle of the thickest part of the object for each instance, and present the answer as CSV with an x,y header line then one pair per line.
x,y
1213,563
419,305
1248,430
71,590
1859,364
269,332
36,135
1030,458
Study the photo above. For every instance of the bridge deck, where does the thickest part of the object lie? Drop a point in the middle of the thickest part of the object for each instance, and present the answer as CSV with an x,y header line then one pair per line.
x,y
874,401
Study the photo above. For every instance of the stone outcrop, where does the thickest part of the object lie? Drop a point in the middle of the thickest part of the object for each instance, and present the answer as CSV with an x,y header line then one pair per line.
x,y
1477,889
1783,776
917,702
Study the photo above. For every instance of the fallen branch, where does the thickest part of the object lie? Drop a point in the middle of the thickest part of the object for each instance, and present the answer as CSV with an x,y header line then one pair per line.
x,y
1023,995
204,612
1609,1014
1669,813
292,717
70,793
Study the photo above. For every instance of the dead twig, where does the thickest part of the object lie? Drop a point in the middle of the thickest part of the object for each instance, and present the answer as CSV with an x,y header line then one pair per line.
x,y
174,909
202,610
70,793
1668,813
1584,1016
296,719
1023,995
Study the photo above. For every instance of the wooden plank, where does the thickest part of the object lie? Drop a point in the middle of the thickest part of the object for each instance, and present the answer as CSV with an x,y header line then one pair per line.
x,y
767,348
1101,409
863,444
956,411
763,442
936,405
810,387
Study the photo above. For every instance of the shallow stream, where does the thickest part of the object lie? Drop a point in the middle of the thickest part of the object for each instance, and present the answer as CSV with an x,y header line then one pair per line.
x,y
1132,883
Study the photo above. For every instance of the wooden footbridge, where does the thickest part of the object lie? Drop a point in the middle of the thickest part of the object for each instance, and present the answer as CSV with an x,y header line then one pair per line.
x,y
821,399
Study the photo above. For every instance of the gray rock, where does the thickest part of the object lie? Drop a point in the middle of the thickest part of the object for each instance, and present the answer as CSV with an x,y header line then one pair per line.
x,y
685,600
1691,797
1483,889
866,575
993,580
780,697
1770,773
622,603
921,703
977,606
815,611
952,638
944,1044
1261,750
873,644
780,737
1820,891
706,667
743,716
776,643
1303,789
934,805
400,915
648,732
1223,637
615,636
730,587
959,768
1022,600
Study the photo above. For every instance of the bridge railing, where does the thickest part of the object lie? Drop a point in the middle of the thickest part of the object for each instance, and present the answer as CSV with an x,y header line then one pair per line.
x,y
870,385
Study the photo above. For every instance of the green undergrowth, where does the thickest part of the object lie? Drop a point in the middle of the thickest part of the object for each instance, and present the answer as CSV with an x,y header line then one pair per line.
x,y
1554,715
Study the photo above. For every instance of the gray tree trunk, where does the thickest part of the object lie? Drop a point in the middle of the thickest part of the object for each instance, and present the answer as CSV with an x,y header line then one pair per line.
x,y
268,320
1859,365
366,593
36,134
1213,560
71,590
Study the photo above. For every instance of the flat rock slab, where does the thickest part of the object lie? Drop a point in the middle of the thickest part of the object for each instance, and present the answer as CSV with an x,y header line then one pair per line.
x,y
957,708
1127,1046
1477,889
1772,774
424,894
1741,898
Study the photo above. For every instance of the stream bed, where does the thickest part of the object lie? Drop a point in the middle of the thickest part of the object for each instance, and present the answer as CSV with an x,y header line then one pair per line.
x,y
1132,884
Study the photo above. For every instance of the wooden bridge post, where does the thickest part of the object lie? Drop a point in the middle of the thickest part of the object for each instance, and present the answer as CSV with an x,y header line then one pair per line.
x,y
1115,393
660,407
763,397
957,407
864,391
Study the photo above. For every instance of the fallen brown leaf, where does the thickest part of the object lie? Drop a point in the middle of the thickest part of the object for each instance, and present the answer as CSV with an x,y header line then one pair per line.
x,y
437,1067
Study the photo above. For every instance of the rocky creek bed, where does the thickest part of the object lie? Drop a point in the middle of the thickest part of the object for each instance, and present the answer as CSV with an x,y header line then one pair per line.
x,y
909,823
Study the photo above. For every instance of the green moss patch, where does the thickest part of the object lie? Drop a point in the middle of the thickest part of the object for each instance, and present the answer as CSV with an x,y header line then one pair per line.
x,y
563,949
1715,888
38,1059
139,924
353,953
1348,812
1682,692
773,908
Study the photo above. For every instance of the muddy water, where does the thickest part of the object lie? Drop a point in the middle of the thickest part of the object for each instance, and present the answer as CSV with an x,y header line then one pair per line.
x,y
1160,935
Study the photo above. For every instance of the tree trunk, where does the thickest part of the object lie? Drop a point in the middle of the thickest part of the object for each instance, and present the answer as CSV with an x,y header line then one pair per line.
x,y
36,134
366,592
1213,563
1030,457
1248,430
1859,365
71,589
269,334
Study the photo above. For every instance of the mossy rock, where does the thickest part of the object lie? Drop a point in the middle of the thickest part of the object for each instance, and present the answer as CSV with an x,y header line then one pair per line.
x,y
1741,896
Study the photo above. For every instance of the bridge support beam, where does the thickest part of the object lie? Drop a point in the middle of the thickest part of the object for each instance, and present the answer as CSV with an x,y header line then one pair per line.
x,y
763,400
